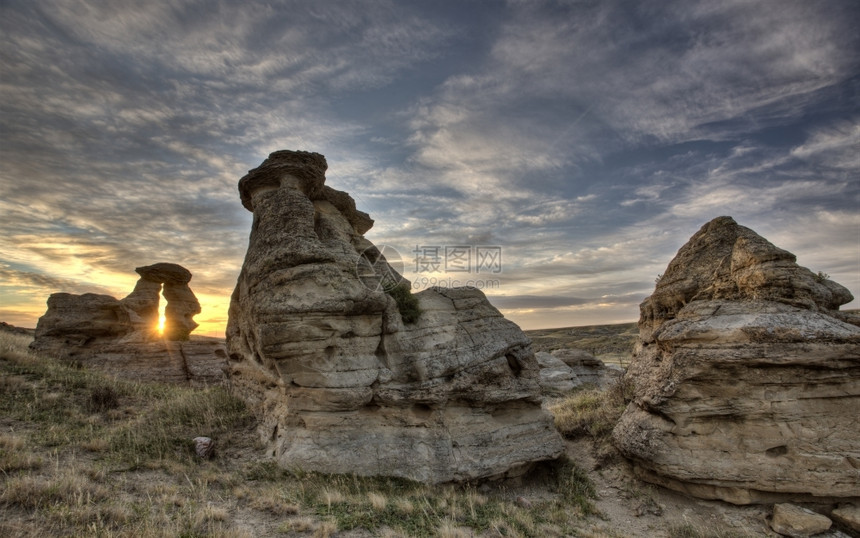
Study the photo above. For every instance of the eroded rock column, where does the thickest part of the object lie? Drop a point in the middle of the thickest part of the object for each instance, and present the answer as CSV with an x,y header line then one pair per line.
x,y
182,304
340,382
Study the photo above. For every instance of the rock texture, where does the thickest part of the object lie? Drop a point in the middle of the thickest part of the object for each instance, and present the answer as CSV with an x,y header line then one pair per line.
x,y
340,382
848,515
747,380
798,522
120,336
587,368
555,375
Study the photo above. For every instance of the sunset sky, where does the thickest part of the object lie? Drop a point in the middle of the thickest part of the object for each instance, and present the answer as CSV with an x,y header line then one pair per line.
x,y
587,140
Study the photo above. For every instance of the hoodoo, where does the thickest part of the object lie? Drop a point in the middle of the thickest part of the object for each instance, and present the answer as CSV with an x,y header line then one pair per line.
x,y
120,335
343,378
746,376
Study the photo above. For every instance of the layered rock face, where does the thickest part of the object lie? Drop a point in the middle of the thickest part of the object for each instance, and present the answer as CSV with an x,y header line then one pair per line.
x,y
747,378
340,382
120,336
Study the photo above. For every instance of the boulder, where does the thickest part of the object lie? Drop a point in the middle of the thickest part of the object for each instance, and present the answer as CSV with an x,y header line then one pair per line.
x,y
746,381
164,273
120,336
848,515
555,375
587,368
319,348
797,522
77,320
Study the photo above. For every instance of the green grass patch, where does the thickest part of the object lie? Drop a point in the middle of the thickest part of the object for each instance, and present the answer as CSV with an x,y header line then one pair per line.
x,y
407,303
415,509
93,455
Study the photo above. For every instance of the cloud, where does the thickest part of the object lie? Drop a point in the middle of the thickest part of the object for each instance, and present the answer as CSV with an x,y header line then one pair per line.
x,y
42,283
590,139
834,147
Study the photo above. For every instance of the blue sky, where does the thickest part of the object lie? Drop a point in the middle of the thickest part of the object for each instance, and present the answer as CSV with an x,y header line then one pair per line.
x,y
586,139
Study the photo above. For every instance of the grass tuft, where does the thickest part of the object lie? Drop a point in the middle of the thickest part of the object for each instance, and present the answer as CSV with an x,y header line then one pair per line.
x,y
103,398
577,489
407,303
95,456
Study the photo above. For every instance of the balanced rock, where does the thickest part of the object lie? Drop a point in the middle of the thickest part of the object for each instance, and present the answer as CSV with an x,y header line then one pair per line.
x,y
120,336
319,348
182,305
746,380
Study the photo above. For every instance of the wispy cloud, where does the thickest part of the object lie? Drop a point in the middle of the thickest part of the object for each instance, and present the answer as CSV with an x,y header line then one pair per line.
x,y
589,139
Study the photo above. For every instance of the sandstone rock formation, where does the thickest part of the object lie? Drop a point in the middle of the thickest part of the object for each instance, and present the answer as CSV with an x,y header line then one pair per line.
x,y
555,375
563,370
120,336
340,382
587,368
182,305
747,379
848,515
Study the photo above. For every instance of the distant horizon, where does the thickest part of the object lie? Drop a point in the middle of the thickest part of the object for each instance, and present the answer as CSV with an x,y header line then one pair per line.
x,y
558,153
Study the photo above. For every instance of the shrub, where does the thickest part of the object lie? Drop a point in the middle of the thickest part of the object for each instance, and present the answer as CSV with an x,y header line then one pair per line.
x,y
103,398
406,302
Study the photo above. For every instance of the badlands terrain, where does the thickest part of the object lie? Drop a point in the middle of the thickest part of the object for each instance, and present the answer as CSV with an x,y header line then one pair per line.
x,y
342,404
85,454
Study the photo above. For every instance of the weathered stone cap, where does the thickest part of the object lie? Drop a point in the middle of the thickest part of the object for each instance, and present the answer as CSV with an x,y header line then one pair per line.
x,y
307,167
164,273
725,260
306,171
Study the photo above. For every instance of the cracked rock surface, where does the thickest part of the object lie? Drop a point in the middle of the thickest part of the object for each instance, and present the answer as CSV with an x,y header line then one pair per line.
x,y
746,376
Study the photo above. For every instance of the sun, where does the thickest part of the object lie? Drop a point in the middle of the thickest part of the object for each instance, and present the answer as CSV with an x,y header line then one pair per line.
x,y
161,318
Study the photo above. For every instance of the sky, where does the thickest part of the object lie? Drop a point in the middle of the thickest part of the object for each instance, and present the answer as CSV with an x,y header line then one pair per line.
x,y
569,148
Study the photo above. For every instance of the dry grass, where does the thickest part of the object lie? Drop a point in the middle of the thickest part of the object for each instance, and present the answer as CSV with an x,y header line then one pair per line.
x,y
377,501
591,412
83,454
14,455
